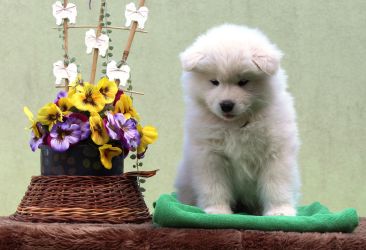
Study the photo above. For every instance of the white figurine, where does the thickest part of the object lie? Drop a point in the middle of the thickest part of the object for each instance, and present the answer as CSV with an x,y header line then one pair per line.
x,y
101,43
61,72
139,15
60,12
122,73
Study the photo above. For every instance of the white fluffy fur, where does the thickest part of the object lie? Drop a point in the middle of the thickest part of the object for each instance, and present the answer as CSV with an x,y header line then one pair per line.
x,y
226,162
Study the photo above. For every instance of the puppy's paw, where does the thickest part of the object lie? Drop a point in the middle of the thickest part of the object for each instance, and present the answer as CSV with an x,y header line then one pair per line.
x,y
284,210
218,209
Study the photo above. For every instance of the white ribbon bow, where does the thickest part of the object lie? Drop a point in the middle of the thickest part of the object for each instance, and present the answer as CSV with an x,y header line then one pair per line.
x,y
122,73
61,72
60,12
101,43
139,15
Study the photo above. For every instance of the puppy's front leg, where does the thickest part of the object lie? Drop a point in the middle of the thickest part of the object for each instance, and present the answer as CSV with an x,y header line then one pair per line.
x,y
212,183
278,186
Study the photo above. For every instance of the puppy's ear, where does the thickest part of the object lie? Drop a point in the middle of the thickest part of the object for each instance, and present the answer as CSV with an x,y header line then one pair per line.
x,y
190,59
267,61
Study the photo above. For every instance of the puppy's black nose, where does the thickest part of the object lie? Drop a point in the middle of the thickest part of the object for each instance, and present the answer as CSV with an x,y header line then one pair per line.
x,y
227,106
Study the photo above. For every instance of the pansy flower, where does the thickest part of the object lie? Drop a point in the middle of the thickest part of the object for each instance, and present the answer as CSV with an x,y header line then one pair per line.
x,y
63,135
124,106
148,136
88,98
122,129
99,133
108,89
49,115
117,96
72,86
107,152
65,104
60,95
84,125
33,125
35,141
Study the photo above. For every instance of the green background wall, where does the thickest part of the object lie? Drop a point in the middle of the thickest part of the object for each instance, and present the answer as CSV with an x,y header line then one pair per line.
x,y
325,57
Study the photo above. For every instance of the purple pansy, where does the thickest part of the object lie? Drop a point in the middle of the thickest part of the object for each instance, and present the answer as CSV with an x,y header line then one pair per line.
x,y
123,130
60,95
84,127
35,142
63,135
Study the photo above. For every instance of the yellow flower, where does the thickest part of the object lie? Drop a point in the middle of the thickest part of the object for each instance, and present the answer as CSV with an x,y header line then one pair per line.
x,y
108,89
65,104
107,152
99,134
88,98
33,126
124,106
49,115
148,136
73,85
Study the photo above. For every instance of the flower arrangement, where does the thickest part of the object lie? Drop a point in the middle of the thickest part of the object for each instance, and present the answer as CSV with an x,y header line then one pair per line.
x,y
100,115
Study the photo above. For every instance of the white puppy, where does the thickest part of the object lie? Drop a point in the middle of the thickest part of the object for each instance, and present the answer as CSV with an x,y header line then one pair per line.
x,y
241,139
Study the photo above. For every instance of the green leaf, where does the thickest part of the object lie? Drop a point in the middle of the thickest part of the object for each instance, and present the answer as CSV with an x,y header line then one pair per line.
x,y
107,14
104,63
110,39
142,180
142,189
140,164
104,71
111,47
110,54
72,60
109,22
102,24
109,31
134,166
101,16
133,156
104,32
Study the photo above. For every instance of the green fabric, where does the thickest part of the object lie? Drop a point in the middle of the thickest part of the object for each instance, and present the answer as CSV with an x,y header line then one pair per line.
x,y
169,212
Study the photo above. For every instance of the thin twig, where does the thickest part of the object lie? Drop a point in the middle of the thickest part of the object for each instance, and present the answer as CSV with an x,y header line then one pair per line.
x,y
133,92
66,45
106,27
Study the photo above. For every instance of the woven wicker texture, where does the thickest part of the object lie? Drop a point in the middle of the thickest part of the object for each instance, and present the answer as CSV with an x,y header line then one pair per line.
x,y
90,199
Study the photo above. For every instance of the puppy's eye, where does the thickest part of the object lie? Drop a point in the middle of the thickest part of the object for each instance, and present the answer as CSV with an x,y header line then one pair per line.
x,y
243,82
215,82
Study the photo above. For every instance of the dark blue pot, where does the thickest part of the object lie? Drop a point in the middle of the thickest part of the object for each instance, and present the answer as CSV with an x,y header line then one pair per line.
x,y
79,160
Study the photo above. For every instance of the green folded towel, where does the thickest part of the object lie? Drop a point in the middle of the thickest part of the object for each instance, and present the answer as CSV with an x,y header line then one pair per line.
x,y
169,212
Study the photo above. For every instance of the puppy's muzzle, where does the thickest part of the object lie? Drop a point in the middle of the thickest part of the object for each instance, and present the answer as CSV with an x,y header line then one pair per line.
x,y
227,106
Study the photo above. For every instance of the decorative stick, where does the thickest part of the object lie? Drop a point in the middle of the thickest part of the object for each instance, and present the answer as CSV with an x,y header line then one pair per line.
x,y
124,90
96,51
131,35
66,45
133,92
107,27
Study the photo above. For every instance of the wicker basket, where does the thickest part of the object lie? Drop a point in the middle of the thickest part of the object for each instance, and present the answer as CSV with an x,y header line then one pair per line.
x,y
84,199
